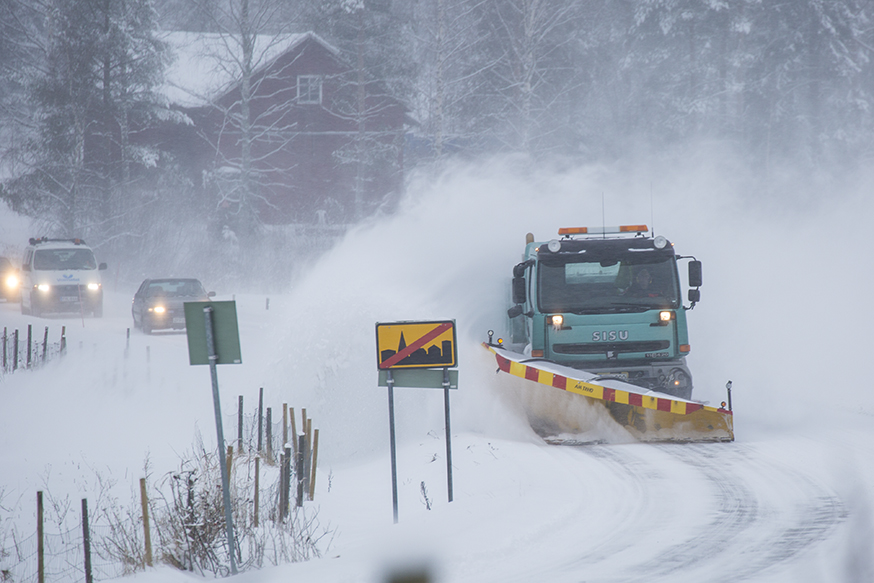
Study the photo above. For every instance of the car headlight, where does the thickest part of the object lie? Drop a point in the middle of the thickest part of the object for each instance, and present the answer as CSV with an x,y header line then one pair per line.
x,y
44,287
93,286
12,281
158,309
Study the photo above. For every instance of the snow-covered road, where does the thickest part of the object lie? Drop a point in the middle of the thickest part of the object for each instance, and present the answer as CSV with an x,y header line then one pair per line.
x,y
779,505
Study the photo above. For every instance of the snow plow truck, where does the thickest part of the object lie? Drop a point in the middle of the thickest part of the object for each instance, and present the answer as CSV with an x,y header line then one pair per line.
x,y
598,313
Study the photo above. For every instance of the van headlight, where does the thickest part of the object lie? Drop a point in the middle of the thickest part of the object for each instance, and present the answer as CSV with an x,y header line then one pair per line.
x,y
93,286
157,309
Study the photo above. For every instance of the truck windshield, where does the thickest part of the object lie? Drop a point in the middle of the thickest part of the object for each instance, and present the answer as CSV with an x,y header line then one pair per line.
x,y
582,283
62,259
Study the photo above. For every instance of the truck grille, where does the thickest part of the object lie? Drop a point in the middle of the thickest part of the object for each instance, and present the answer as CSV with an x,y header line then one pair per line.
x,y
602,347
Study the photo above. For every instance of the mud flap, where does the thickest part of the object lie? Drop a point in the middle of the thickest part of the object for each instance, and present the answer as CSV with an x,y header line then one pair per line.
x,y
647,415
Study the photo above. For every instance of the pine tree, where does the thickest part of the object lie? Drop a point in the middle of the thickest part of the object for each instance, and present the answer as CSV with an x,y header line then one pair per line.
x,y
103,62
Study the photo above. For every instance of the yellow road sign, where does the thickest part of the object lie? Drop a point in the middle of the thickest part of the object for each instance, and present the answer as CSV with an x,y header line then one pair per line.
x,y
416,344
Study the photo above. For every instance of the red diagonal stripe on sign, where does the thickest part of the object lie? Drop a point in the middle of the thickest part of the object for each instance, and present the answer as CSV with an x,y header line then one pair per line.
x,y
411,348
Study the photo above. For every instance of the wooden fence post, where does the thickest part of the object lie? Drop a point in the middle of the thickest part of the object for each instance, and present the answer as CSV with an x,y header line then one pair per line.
x,y
144,499
63,339
315,459
257,489
40,542
230,460
15,351
301,452
29,344
284,483
86,540
269,432
260,420
4,348
293,431
307,460
240,425
284,424
45,343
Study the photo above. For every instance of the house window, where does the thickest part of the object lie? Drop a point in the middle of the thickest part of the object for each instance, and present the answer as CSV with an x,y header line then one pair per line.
x,y
309,89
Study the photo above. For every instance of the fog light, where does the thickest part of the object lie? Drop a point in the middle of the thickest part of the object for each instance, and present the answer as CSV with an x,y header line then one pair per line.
x,y
679,378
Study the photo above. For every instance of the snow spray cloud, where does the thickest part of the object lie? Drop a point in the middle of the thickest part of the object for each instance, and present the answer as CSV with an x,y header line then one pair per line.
x,y
775,293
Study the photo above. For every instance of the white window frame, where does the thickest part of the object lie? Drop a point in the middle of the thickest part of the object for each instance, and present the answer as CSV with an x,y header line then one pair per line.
x,y
305,89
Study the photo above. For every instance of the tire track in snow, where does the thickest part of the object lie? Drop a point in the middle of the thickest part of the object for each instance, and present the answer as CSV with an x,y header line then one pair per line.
x,y
745,522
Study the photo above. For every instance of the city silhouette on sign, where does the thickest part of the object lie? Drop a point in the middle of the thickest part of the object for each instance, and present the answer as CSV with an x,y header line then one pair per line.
x,y
433,356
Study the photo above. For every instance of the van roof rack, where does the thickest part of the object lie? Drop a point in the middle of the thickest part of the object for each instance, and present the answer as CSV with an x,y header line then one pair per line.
x,y
38,240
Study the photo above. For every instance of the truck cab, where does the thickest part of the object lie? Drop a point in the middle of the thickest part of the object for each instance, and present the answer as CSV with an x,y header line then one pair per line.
x,y
608,301
60,275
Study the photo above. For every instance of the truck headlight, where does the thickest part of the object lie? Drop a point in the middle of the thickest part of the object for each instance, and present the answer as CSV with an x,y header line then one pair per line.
x,y
44,287
93,286
157,309
666,316
12,281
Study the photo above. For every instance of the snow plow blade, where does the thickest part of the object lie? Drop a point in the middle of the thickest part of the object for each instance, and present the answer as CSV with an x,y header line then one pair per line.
x,y
647,415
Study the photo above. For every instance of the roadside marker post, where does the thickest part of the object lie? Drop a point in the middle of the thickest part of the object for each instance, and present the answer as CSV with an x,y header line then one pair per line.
x,y
211,326
417,355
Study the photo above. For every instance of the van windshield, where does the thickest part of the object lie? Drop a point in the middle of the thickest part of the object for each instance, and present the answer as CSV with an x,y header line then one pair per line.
x,y
64,259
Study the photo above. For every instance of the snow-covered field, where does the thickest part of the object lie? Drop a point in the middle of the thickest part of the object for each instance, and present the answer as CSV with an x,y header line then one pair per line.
x,y
785,315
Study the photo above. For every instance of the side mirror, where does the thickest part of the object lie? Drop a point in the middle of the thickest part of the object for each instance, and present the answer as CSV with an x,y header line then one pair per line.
x,y
25,267
514,311
694,296
519,295
101,267
694,274
210,294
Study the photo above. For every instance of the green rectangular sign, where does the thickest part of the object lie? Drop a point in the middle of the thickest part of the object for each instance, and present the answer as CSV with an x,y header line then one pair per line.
x,y
224,331
419,378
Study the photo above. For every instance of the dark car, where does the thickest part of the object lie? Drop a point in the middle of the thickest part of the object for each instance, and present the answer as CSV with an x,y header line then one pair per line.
x,y
10,281
159,303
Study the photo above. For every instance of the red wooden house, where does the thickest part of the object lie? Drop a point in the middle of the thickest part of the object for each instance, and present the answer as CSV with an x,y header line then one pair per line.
x,y
313,143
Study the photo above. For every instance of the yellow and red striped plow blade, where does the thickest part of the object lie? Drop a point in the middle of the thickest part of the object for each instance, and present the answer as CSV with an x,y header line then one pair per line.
x,y
650,418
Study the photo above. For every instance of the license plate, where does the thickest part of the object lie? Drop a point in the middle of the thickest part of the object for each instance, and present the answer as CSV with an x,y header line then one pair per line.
x,y
178,320
615,375
69,299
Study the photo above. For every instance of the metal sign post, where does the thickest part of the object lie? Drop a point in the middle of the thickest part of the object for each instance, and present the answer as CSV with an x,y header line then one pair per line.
x,y
226,490
448,433
394,459
405,350
213,339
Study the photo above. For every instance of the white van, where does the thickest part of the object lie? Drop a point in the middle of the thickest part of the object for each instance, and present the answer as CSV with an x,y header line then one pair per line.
x,y
60,275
